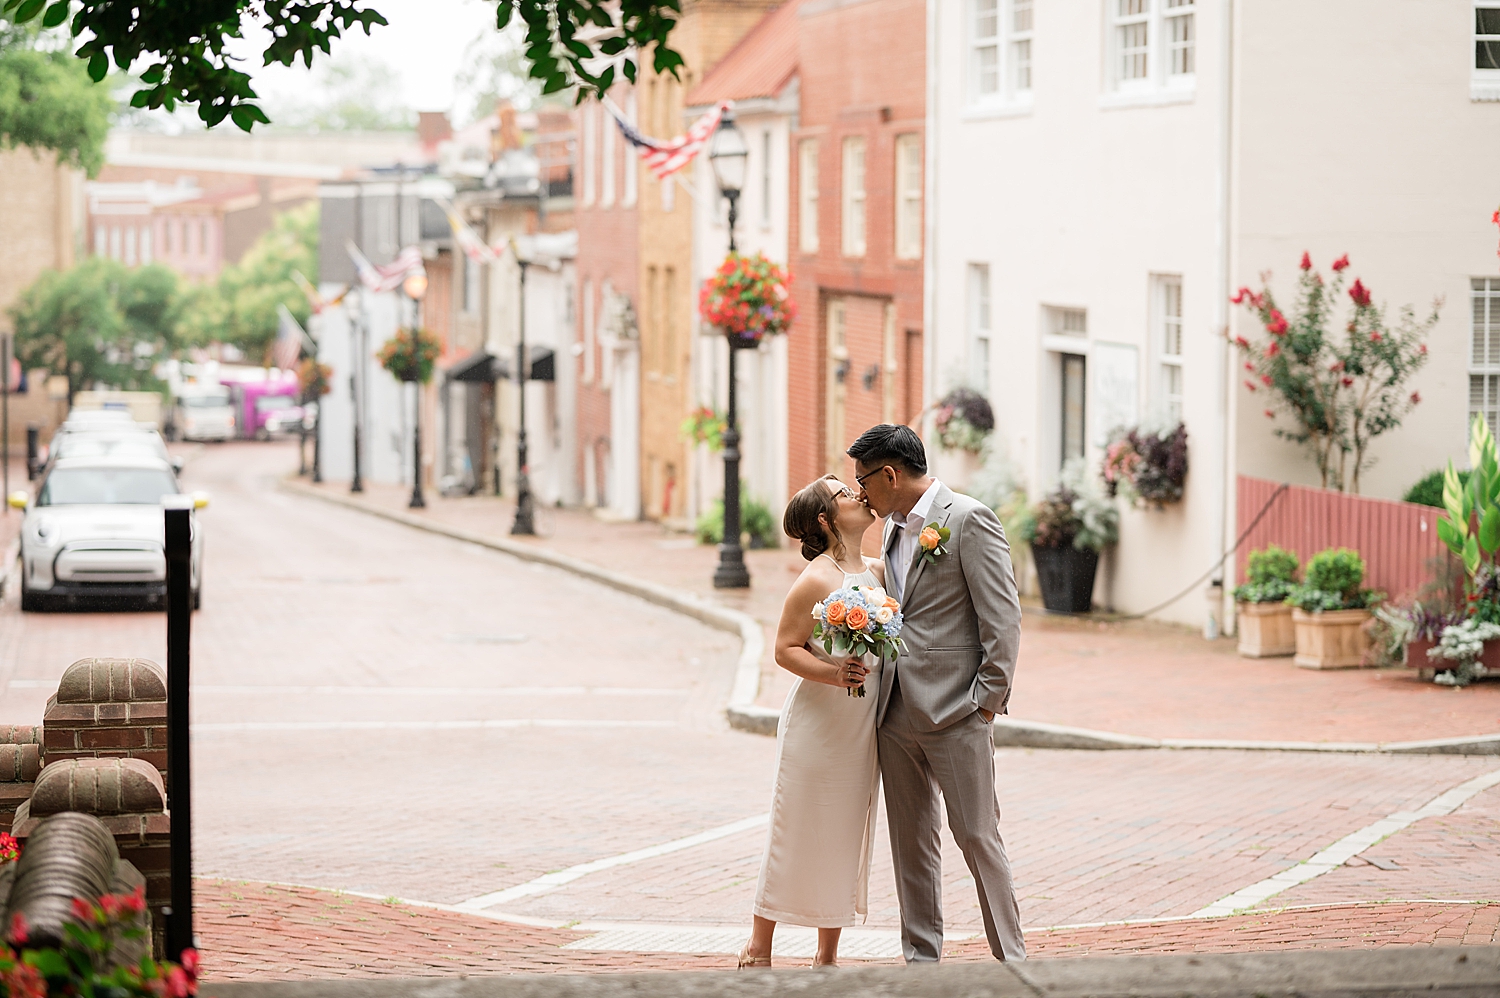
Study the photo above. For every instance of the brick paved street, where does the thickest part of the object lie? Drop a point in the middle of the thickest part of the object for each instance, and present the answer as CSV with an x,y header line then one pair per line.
x,y
385,711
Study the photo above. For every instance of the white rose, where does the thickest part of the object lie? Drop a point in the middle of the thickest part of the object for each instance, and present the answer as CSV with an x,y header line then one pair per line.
x,y
875,595
884,615
818,610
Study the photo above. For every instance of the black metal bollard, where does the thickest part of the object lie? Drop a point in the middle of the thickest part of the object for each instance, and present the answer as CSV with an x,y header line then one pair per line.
x,y
33,451
179,546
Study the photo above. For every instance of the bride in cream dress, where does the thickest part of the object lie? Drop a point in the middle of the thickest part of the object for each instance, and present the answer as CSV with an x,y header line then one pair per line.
x,y
816,868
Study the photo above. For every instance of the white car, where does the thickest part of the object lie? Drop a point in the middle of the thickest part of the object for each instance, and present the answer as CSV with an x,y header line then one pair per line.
x,y
95,532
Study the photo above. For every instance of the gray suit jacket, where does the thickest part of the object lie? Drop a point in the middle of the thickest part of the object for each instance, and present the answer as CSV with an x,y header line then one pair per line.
x,y
962,621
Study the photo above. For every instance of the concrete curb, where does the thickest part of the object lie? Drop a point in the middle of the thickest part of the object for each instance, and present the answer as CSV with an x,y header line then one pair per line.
x,y
741,711
744,714
1450,972
1011,733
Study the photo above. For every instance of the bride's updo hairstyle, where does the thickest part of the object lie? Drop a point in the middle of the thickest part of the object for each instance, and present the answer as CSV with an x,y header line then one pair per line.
x,y
801,519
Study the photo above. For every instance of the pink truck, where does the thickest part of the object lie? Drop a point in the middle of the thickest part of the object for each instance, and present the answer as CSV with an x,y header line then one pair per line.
x,y
263,409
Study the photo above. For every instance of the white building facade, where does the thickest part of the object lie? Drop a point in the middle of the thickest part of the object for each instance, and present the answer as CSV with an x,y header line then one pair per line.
x,y
1103,174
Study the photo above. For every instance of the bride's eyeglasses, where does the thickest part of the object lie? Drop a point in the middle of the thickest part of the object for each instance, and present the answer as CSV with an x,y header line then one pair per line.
x,y
846,492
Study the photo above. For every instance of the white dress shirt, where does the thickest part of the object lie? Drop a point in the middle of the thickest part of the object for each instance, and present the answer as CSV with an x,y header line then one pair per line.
x,y
908,530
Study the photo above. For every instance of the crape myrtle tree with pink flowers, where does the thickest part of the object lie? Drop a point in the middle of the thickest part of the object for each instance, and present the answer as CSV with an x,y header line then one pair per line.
x,y
1340,390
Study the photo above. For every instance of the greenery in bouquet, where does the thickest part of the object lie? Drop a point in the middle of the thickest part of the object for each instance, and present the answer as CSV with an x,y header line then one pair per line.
x,y
1331,581
1341,389
705,425
1074,514
1146,465
410,355
1270,576
747,298
859,620
964,420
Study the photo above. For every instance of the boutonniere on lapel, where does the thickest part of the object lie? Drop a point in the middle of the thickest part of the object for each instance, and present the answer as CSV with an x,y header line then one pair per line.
x,y
931,541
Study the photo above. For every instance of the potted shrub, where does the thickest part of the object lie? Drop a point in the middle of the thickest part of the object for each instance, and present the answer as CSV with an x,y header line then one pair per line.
x,y
1263,614
1066,530
1330,611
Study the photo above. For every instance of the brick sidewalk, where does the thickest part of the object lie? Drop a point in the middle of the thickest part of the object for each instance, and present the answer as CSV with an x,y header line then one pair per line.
x,y
255,931
1138,677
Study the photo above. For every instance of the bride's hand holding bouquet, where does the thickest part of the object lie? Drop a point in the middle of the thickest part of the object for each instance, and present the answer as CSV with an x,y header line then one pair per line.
x,y
856,621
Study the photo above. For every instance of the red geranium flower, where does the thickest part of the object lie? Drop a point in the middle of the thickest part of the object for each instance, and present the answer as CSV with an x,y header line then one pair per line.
x,y
1341,263
1360,293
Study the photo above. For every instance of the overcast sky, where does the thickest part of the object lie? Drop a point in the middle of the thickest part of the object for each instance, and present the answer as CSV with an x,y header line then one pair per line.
x,y
424,41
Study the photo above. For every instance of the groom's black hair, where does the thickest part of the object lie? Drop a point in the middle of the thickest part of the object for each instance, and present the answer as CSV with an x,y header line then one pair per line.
x,y
888,443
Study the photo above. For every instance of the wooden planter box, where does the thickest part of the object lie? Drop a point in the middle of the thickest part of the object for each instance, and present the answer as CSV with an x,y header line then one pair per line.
x,y
1416,657
1333,639
1266,630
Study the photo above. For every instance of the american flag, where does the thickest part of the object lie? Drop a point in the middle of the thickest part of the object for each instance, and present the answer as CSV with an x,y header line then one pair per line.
x,y
666,157
289,340
388,277
468,240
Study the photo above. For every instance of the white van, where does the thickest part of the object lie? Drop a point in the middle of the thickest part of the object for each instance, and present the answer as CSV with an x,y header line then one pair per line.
x,y
203,412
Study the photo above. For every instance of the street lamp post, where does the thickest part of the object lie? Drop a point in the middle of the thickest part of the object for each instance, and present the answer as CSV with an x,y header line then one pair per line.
x,y
727,154
357,387
415,287
525,511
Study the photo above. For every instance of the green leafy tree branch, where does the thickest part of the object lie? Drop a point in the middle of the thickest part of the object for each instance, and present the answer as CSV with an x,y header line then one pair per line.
x,y
47,101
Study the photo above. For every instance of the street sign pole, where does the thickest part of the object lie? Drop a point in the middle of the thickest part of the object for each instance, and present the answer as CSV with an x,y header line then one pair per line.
x,y
179,538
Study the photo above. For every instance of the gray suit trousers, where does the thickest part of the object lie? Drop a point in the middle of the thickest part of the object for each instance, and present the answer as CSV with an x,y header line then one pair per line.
x,y
959,761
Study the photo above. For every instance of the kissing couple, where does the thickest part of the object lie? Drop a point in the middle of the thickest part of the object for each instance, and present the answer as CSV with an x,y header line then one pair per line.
x,y
928,729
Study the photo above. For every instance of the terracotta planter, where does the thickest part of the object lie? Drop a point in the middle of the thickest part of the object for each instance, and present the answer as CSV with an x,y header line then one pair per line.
x,y
1266,630
1333,639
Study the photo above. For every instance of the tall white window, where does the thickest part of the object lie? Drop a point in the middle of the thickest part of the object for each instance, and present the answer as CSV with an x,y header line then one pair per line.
x,y
1000,50
146,244
1485,83
608,166
980,324
588,332
632,164
765,179
908,197
1168,345
101,241
203,237
1484,352
589,152
130,247
807,195
471,285
853,186
1152,44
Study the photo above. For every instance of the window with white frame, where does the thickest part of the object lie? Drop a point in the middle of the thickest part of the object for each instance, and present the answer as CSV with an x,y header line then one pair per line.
x,y
1485,84
1168,345
1152,44
999,50
807,195
1484,352
980,324
908,197
853,185
588,331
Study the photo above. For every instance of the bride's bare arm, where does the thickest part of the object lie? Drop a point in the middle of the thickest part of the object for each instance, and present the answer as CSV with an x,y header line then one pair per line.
x,y
796,628
876,565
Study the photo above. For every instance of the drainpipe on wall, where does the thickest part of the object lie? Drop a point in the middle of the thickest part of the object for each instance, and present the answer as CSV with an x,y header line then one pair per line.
x,y
929,217
1224,507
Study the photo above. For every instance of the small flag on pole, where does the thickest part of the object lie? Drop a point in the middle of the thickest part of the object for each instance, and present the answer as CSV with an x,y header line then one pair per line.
x,y
468,240
666,157
390,276
289,339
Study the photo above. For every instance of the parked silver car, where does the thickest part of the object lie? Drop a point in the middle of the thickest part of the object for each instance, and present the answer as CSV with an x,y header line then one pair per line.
x,y
94,532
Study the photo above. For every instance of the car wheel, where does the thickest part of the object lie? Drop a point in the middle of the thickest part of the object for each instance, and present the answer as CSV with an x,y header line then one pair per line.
x,y
30,602
197,599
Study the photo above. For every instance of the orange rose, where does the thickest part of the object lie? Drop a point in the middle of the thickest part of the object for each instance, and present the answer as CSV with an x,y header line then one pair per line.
x,y
858,617
929,538
891,604
834,612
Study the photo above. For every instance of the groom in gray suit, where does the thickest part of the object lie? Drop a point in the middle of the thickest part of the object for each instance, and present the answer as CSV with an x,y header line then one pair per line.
x,y
962,632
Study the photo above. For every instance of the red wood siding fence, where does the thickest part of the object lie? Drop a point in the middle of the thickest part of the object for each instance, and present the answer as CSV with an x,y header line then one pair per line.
x,y
1396,539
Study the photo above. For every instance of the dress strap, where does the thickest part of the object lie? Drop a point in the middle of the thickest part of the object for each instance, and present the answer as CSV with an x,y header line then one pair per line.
x,y
831,558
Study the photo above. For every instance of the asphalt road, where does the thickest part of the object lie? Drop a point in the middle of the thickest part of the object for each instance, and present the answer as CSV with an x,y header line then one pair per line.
x,y
384,711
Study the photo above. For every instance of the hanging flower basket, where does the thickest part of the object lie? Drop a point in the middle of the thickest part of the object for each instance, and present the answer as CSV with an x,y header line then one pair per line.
x,y
1147,467
410,355
964,420
747,299
313,379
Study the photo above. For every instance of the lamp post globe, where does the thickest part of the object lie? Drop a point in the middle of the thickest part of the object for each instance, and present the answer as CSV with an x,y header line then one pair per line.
x,y
727,154
415,287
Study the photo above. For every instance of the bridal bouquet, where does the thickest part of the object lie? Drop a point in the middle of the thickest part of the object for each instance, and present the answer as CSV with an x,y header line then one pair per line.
x,y
859,620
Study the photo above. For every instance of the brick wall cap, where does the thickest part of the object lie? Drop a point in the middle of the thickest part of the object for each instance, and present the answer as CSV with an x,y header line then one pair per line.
x,y
99,787
104,680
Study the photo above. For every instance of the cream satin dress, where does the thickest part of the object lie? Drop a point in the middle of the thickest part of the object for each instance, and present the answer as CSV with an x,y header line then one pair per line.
x,y
816,869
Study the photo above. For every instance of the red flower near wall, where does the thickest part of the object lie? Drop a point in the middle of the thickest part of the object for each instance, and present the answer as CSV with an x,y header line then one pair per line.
x,y
1341,263
1360,294
747,298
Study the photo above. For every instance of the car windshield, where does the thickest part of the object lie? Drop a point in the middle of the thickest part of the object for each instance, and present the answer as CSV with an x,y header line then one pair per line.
x,y
98,486
96,445
204,401
266,403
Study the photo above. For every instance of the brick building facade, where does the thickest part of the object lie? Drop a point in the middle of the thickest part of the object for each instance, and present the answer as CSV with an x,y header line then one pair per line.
x,y
856,228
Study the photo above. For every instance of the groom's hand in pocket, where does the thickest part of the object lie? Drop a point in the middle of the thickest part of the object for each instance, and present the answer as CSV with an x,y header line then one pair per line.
x,y
986,716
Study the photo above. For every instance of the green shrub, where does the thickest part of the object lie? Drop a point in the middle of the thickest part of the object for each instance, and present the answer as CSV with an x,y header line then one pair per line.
x,y
1331,582
1429,489
1271,575
755,520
